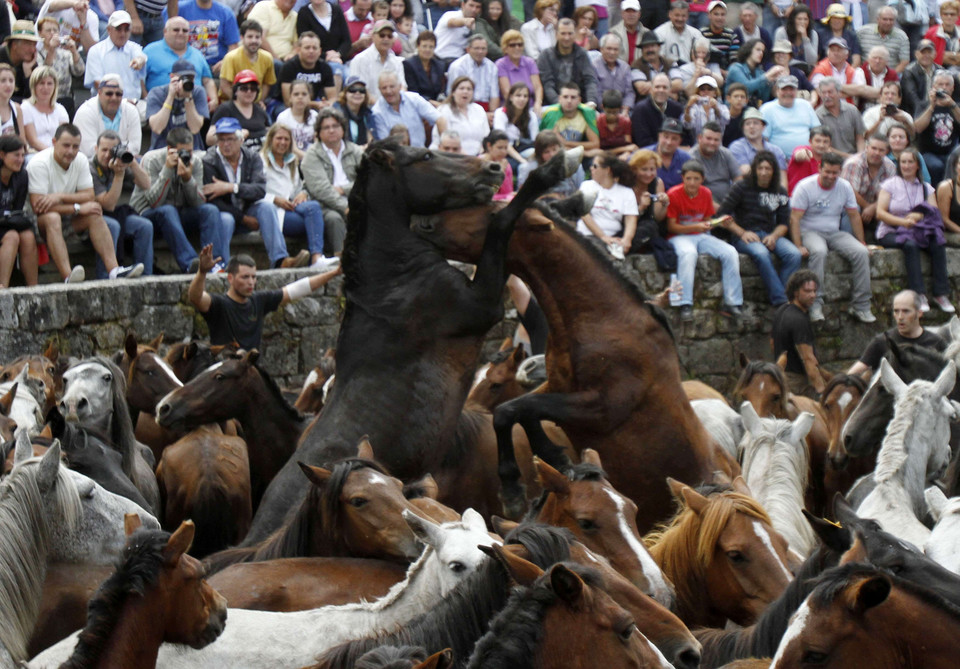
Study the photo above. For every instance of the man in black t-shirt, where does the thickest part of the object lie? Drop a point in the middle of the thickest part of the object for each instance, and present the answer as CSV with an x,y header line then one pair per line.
x,y
792,334
906,313
237,315
309,67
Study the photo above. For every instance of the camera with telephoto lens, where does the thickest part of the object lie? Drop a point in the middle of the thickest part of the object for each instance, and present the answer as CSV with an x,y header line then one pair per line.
x,y
186,83
891,109
186,155
122,153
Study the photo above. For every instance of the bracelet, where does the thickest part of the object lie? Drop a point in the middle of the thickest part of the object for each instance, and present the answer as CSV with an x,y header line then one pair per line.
x,y
167,105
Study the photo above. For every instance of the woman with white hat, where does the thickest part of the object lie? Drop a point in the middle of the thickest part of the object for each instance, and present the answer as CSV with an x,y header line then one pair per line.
x,y
836,23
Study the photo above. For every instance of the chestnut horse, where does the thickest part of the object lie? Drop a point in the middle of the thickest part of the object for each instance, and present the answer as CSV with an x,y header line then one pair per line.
x,y
8,425
612,366
353,509
41,368
311,395
496,381
189,359
156,595
205,476
722,555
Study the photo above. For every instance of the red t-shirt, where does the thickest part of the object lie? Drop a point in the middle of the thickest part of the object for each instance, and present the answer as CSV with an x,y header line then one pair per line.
x,y
619,136
797,171
631,45
689,210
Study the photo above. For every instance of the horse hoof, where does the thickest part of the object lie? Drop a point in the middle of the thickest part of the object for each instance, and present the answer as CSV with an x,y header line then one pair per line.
x,y
572,160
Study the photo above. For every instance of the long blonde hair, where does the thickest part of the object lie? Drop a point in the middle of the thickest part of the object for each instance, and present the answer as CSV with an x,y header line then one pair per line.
x,y
39,73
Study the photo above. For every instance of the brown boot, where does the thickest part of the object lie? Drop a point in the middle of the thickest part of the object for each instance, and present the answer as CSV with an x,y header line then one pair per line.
x,y
302,259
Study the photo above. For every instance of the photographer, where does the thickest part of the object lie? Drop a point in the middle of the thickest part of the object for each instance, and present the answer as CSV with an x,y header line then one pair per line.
x,y
938,126
179,104
112,162
16,230
173,199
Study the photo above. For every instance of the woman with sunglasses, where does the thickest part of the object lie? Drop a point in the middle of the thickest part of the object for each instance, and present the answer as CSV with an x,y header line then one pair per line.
x,y
357,108
517,68
253,119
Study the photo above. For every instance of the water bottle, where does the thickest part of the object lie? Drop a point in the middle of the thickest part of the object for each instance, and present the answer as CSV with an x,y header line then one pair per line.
x,y
675,291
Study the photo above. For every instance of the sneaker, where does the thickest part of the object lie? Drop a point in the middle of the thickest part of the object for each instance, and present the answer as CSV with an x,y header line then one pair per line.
x,y
816,313
326,264
924,304
194,266
77,275
731,311
302,259
686,313
864,315
131,272
943,303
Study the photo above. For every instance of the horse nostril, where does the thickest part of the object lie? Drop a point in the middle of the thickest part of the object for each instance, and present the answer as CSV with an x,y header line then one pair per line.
x,y
688,659
163,410
494,167
82,404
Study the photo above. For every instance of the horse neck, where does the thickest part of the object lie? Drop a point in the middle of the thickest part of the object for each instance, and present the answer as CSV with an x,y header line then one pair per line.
x,y
903,456
267,421
923,634
133,643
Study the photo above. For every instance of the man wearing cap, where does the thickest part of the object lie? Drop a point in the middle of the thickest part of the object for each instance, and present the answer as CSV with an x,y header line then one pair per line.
x,y
399,106
454,28
20,50
575,122
788,119
480,70
938,125
161,56
179,104
648,115
849,78
213,29
248,56
279,23
309,66
672,157
566,62
720,168
630,31
843,119
108,111
378,57
723,41
746,148
946,37
612,73
234,180
917,79
120,55
886,33
651,64
676,37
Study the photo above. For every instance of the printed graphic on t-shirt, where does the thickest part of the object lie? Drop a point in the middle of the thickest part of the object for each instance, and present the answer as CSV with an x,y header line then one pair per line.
x,y
943,130
205,37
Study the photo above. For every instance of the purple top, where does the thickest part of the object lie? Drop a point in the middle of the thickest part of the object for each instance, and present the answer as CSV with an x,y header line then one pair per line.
x,y
903,198
518,73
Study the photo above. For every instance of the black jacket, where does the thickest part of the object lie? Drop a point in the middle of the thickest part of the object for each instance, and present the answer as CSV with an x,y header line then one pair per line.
x,y
252,182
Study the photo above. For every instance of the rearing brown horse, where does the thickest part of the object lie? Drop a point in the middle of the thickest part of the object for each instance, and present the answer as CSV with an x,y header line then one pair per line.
x,y
613,374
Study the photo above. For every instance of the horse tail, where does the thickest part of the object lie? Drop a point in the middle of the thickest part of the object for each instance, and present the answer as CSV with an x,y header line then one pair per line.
x,y
211,510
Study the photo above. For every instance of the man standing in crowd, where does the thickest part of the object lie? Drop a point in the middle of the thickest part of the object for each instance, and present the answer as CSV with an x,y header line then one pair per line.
x,y
938,125
453,29
279,23
174,106
630,32
398,106
866,171
649,115
719,165
249,56
676,37
849,79
918,78
817,204
566,62
723,41
118,54
308,66
61,188
672,158
886,33
108,111
805,160
481,71
843,119
792,334
789,120
612,73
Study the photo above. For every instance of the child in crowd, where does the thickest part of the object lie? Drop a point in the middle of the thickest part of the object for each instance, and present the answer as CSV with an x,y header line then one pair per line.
x,y
300,117
495,147
614,128
401,133
405,45
380,11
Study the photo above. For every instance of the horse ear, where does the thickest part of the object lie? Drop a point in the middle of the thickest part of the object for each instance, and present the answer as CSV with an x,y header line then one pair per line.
x,y
52,351
130,345
857,551
6,402
590,457
441,660
744,360
155,342
944,383
251,357
502,526
49,467
676,488
381,157
537,221
739,484
131,523
833,536
519,355
868,593
47,431
842,511
23,449
566,584
521,571
178,543
216,350
751,420
551,480
801,427
191,349
888,377
694,500
506,344
365,449
427,531
472,520
954,327
318,475
782,361
426,487
936,501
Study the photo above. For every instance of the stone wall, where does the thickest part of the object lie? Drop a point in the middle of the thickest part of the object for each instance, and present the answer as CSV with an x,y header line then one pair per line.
x,y
94,317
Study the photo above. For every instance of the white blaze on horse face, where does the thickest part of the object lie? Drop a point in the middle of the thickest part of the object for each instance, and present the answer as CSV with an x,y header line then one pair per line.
x,y
310,380
480,375
797,624
664,663
168,370
376,478
844,400
658,583
761,532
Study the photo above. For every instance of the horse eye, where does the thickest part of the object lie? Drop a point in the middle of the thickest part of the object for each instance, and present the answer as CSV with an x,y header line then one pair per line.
x,y
457,567
627,632
736,557
586,524
107,377
895,568
218,377
427,156
358,502
814,657
51,371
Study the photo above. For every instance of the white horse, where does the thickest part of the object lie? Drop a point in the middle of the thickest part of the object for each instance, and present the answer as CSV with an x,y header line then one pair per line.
x,y
255,639
94,395
26,410
915,450
775,462
943,546
721,422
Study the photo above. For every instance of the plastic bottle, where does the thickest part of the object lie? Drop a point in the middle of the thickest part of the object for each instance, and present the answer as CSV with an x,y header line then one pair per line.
x,y
675,294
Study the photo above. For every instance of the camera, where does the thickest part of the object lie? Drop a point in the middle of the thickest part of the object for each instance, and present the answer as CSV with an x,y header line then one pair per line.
x,y
185,155
891,109
654,198
941,94
122,153
186,83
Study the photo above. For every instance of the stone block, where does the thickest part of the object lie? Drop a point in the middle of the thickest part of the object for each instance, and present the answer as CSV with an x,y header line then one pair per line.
x,y
302,312
173,320
16,342
314,342
107,338
8,310
164,290
279,356
44,309
711,356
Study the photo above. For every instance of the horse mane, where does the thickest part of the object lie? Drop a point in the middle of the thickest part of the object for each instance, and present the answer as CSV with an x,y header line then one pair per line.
x,y
138,570
854,380
516,632
685,544
25,538
462,617
292,412
916,355
755,367
582,471
391,657
786,476
893,454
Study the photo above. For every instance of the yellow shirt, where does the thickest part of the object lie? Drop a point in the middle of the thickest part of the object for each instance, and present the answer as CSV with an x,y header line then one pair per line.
x,y
279,31
237,60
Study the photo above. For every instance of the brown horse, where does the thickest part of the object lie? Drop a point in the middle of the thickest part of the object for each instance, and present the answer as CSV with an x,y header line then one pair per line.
x,y
722,554
496,381
584,502
157,595
43,369
310,399
612,366
238,388
205,476
354,509
190,359
862,616
8,426
840,397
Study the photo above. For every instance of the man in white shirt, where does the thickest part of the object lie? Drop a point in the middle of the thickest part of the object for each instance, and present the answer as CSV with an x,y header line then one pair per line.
x,y
61,189
108,111
378,57
454,28
118,54
481,71
676,36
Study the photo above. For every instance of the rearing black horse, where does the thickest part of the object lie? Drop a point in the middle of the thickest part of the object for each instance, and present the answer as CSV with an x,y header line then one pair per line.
x,y
414,325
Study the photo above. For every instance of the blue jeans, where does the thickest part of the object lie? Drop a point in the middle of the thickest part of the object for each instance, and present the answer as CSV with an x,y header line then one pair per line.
x,y
266,214
140,230
152,29
688,247
911,258
172,221
937,165
114,228
306,219
762,257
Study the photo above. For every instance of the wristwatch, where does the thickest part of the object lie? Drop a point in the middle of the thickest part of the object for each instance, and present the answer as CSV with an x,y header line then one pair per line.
x,y
76,208
236,188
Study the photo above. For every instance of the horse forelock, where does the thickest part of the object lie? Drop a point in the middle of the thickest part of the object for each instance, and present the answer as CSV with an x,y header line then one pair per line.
x,y
788,467
328,499
854,380
761,367
544,543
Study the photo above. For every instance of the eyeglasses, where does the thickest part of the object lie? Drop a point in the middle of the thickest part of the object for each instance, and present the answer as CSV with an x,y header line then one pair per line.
x,y
112,94
357,90
514,45
249,88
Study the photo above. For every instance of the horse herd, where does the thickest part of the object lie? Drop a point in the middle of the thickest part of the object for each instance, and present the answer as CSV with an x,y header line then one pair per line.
x,y
645,521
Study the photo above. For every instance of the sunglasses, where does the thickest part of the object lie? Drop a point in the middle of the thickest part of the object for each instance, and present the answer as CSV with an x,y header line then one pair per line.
x,y
113,94
356,90
249,88
514,45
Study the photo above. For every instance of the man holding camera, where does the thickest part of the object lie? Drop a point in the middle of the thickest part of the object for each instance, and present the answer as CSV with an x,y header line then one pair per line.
x,y
111,164
173,199
108,111
179,104
938,125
